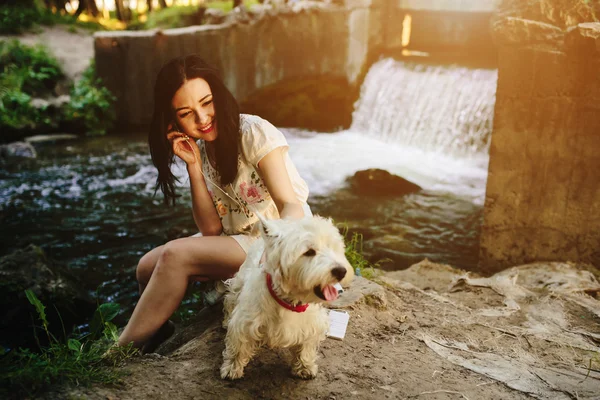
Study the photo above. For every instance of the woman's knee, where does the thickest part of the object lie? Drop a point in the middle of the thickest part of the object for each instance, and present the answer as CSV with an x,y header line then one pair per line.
x,y
172,258
147,264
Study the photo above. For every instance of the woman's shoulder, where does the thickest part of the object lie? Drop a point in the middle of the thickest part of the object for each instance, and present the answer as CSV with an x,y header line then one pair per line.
x,y
258,137
249,122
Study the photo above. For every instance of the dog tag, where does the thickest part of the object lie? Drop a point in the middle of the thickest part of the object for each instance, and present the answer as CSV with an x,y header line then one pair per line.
x,y
338,322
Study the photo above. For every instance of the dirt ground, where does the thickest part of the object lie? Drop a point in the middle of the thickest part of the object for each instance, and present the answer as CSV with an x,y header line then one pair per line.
x,y
429,332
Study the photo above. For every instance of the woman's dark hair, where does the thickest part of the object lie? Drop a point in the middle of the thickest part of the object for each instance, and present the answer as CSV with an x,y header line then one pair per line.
x,y
227,114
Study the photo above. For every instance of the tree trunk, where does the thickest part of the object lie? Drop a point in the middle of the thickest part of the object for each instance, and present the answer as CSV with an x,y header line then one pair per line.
x,y
89,6
92,8
149,4
162,3
122,11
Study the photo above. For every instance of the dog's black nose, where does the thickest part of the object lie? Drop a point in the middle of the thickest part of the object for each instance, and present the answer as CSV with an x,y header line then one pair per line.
x,y
339,273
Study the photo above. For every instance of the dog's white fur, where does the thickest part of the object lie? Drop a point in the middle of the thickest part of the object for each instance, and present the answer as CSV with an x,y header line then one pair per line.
x,y
253,318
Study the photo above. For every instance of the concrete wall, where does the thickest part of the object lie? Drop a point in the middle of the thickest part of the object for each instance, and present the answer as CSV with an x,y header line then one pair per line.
x,y
543,189
336,41
251,56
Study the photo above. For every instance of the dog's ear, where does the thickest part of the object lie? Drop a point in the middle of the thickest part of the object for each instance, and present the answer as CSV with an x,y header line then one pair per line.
x,y
267,228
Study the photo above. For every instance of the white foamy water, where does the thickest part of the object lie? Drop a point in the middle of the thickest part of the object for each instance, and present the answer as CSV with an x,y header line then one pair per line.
x,y
326,160
441,109
428,124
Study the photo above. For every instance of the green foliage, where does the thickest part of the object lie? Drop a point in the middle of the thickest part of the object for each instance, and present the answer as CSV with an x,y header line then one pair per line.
x,y
103,315
76,360
39,307
91,106
170,17
17,18
36,70
354,254
32,72
227,5
26,71
24,15
181,16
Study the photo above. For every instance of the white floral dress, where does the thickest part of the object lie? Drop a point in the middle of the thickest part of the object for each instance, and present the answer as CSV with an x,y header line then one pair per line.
x,y
237,202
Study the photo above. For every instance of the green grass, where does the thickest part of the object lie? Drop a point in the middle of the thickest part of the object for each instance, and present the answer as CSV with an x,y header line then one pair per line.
x,y
354,254
594,360
77,359
171,17
228,5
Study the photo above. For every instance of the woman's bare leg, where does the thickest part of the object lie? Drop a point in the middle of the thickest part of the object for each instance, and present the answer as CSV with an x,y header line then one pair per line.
x,y
209,257
146,266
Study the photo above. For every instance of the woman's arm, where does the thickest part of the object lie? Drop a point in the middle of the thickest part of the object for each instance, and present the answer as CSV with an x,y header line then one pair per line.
x,y
205,215
276,178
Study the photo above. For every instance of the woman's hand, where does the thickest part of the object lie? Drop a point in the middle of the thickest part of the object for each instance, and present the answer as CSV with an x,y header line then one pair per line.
x,y
184,147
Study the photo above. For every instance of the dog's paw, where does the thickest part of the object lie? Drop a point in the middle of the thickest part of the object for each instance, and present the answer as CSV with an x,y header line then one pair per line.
x,y
305,372
231,372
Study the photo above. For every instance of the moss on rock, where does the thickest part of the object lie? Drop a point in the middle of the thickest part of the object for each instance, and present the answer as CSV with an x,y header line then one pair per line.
x,y
320,103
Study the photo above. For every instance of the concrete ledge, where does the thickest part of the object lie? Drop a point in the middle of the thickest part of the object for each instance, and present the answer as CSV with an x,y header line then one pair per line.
x,y
485,6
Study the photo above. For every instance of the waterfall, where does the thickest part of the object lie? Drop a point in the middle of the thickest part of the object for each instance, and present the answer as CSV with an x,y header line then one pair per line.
x,y
439,109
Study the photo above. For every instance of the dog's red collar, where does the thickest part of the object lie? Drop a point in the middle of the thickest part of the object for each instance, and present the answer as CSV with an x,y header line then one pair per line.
x,y
299,308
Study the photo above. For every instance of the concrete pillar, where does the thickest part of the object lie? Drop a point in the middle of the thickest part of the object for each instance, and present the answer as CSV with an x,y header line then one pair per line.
x,y
543,190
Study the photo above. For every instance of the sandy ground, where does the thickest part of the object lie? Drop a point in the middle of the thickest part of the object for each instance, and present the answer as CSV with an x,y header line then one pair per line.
x,y
429,332
74,51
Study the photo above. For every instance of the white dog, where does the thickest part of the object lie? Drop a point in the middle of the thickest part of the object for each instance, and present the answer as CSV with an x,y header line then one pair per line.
x,y
278,304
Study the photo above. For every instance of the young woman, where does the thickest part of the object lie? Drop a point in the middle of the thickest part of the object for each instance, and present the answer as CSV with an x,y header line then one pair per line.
x,y
237,164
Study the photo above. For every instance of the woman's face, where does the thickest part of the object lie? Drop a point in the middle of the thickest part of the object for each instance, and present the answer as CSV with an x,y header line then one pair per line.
x,y
195,110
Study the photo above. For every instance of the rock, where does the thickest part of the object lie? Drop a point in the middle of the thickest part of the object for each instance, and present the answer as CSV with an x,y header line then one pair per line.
x,y
584,36
567,13
561,13
214,16
361,290
53,102
29,269
378,182
519,30
17,149
238,15
196,18
57,137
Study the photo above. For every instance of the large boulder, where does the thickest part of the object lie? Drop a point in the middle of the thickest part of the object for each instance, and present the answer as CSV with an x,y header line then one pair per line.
x,y
61,293
378,182
17,149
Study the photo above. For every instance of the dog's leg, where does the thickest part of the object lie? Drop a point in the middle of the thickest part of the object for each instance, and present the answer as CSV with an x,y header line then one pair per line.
x,y
236,355
304,359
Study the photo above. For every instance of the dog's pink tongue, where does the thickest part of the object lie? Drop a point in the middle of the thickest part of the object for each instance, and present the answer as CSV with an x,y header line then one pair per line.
x,y
330,293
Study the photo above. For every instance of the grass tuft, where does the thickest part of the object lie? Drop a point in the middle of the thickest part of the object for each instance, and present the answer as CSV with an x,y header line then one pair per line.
x,y
77,359
354,254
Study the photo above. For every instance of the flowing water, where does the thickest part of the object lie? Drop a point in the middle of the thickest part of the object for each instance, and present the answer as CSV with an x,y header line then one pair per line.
x,y
90,204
